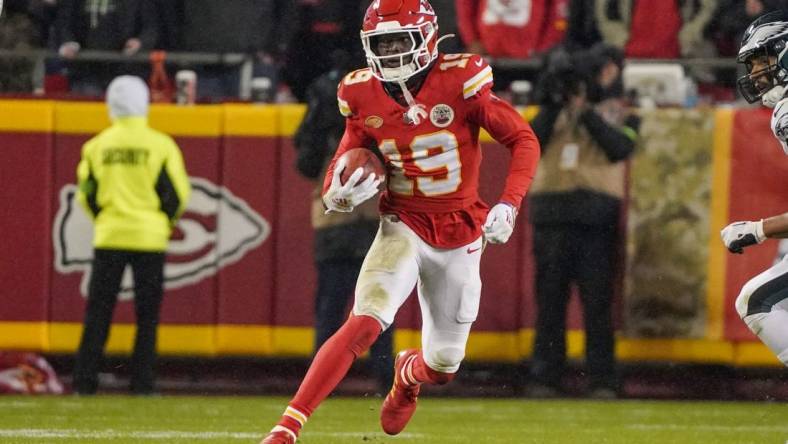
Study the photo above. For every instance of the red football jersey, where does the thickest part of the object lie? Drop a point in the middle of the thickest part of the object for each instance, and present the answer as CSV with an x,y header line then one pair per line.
x,y
512,28
433,157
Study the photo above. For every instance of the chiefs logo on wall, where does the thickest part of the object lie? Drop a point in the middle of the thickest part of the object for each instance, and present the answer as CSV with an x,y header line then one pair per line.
x,y
195,252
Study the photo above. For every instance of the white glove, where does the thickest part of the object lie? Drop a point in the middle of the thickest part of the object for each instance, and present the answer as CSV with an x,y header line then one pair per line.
x,y
500,223
738,235
343,198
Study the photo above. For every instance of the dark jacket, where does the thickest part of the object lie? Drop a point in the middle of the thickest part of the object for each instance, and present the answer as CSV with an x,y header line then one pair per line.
x,y
246,26
107,24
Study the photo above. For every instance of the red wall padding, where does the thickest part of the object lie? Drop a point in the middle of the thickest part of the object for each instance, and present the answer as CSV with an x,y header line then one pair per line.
x,y
270,285
25,223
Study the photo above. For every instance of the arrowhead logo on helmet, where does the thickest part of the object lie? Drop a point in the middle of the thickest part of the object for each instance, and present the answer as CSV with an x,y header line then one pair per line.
x,y
426,8
213,213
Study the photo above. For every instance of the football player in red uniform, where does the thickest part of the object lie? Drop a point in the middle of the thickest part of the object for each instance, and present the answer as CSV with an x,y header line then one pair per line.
x,y
424,111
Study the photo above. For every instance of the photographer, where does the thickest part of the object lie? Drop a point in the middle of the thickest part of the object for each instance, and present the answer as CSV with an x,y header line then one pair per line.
x,y
586,135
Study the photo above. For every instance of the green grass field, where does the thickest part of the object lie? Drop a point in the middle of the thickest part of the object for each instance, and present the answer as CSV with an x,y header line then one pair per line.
x,y
195,419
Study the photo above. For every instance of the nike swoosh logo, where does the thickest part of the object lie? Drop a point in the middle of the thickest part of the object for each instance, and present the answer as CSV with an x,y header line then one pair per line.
x,y
479,62
473,250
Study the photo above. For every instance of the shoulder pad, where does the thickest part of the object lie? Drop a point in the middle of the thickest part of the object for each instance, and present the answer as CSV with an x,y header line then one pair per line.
x,y
474,72
780,122
349,86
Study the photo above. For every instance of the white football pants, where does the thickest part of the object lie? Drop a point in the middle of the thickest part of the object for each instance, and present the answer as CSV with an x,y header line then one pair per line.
x,y
449,288
763,305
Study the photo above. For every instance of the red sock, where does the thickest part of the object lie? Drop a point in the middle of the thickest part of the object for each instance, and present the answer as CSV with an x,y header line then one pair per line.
x,y
329,366
423,373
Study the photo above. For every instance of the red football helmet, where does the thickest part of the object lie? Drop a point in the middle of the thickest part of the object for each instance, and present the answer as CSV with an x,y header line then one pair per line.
x,y
413,20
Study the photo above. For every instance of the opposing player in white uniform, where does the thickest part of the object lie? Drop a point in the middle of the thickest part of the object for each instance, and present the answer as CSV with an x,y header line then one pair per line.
x,y
763,301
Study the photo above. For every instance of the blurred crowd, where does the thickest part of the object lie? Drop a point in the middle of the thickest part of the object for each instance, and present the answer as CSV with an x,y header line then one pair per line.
x,y
291,42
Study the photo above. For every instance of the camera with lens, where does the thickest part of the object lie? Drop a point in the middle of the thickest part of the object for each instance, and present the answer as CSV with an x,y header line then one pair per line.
x,y
572,74
560,80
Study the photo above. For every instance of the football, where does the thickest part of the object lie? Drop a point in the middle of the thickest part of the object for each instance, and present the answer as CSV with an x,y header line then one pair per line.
x,y
361,158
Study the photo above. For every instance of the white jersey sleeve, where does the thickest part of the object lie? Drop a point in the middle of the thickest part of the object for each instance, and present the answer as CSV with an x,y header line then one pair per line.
x,y
780,123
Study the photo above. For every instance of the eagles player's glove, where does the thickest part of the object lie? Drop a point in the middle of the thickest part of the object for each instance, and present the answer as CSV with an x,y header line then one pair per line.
x,y
343,198
500,223
738,235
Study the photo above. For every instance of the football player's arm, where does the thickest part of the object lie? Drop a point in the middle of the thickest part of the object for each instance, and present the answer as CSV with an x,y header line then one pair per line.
x,y
738,235
344,197
353,137
776,227
507,127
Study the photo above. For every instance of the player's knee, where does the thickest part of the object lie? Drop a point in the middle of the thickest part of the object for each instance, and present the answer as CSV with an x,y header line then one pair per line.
x,y
743,300
753,322
783,357
445,360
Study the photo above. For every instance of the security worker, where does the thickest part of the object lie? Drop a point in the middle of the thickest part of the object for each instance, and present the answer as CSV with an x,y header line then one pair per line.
x,y
133,183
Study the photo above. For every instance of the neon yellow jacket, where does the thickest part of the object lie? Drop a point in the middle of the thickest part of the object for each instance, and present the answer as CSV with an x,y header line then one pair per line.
x,y
134,185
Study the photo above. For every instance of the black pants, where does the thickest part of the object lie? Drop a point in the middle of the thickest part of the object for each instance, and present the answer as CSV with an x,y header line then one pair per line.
x,y
336,281
580,254
105,280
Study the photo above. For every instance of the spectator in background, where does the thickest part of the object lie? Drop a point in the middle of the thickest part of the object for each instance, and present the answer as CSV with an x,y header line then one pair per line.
x,y
133,183
322,26
586,135
127,26
341,239
169,15
556,24
582,31
510,29
642,28
24,24
261,28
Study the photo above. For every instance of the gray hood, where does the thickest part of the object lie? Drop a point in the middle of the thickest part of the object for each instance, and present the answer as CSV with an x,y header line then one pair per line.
x,y
127,96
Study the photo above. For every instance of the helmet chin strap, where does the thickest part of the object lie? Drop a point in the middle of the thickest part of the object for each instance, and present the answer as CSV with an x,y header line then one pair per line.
x,y
774,95
415,112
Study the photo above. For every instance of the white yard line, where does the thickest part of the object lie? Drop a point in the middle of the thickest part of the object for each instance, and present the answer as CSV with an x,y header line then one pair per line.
x,y
116,434
166,435
711,428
